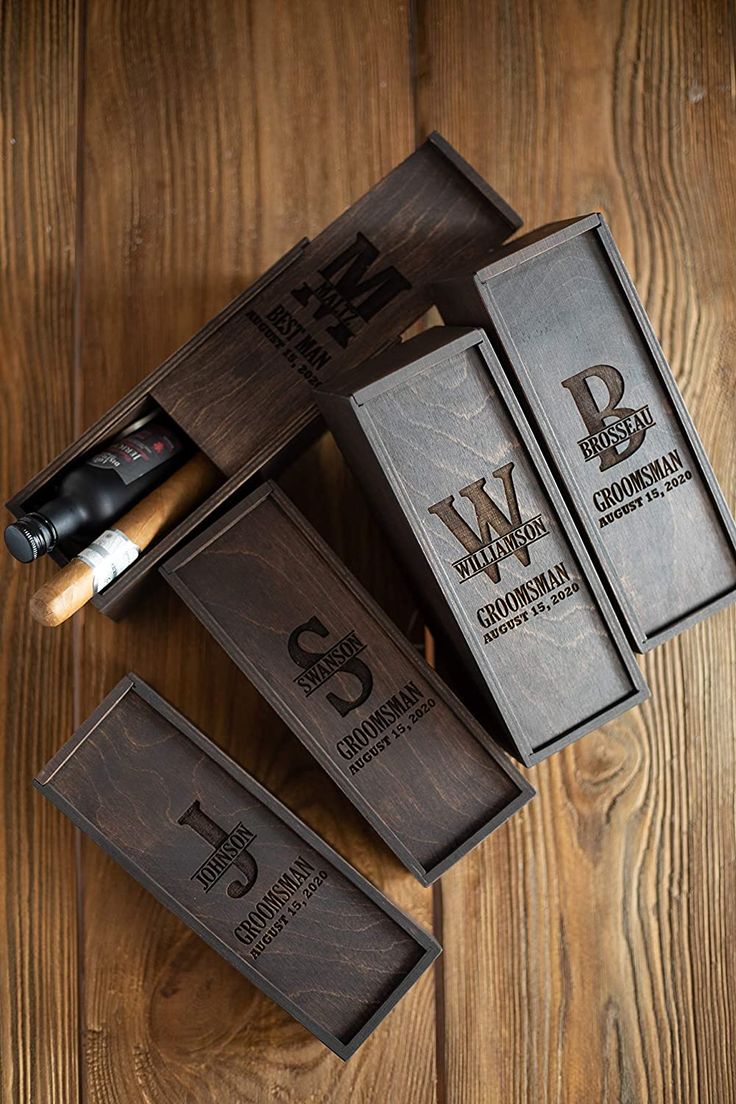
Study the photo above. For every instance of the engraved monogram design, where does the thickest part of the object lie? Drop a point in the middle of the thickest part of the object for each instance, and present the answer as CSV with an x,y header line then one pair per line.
x,y
485,552
230,850
320,666
609,426
348,292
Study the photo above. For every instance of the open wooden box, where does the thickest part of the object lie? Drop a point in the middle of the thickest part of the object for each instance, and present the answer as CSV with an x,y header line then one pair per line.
x,y
217,849
242,388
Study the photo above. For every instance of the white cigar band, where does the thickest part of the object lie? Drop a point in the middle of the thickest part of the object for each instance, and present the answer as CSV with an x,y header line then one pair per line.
x,y
109,556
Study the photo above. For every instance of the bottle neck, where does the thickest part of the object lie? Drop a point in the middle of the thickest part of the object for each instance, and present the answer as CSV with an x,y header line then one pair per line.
x,y
39,532
64,515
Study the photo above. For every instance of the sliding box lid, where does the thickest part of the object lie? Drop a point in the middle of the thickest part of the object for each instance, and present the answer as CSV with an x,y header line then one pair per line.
x,y
576,341
243,386
234,864
358,696
432,429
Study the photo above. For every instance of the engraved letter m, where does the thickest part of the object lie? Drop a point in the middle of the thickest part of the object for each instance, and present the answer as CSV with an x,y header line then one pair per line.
x,y
366,292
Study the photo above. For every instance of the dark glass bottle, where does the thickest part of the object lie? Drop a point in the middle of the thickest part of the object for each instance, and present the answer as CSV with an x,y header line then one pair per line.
x,y
99,490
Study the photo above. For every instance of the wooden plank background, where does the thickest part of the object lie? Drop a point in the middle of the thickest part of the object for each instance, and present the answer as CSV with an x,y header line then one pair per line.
x,y
155,158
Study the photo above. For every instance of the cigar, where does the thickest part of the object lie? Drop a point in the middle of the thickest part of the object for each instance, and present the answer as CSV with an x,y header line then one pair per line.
x,y
116,549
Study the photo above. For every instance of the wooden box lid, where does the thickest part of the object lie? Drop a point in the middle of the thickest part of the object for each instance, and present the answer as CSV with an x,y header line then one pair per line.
x,y
433,430
243,386
580,349
320,650
236,866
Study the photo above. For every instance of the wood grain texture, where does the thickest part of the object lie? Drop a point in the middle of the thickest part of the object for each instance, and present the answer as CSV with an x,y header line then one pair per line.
x,y
215,847
417,224
572,331
39,1014
242,387
608,974
461,486
197,176
374,265
353,690
216,135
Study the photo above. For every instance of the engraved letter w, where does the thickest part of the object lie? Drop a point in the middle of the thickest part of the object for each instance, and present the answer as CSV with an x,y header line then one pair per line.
x,y
488,515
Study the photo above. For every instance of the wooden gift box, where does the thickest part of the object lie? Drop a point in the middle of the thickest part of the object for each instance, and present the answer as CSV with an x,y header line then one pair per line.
x,y
435,433
358,696
236,866
576,342
242,387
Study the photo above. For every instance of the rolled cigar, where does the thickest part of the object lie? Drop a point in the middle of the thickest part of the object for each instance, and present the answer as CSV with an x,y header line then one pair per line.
x,y
108,556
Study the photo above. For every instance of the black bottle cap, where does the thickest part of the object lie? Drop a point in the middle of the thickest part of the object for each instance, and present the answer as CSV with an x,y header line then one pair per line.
x,y
28,538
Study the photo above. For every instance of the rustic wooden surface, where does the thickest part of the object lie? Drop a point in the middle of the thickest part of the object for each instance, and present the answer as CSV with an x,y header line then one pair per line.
x,y
155,158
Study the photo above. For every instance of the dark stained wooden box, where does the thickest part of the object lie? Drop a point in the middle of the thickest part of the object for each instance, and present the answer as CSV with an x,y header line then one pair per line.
x,y
242,388
378,719
577,343
441,444
236,866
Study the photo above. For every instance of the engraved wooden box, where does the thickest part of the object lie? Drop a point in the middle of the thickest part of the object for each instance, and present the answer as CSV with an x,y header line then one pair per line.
x,y
433,430
576,342
359,697
242,388
237,867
